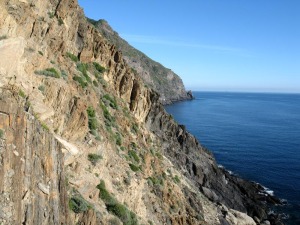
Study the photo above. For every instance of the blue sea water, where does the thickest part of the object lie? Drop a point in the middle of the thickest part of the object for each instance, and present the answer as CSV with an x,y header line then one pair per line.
x,y
254,135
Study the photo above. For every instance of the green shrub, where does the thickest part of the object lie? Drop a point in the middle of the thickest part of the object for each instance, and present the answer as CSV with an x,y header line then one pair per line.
x,y
30,49
132,154
95,83
176,179
1,133
118,139
105,195
134,128
121,212
93,123
77,204
60,21
111,101
64,74
3,37
109,120
73,57
45,127
97,137
159,155
152,151
94,158
118,209
82,67
133,145
41,53
51,15
81,81
98,67
22,94
88,79
91,111
49,72
134,168
158,180
99,77
41,88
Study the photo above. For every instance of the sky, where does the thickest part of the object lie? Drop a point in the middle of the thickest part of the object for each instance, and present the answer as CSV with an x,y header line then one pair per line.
x,y
213,45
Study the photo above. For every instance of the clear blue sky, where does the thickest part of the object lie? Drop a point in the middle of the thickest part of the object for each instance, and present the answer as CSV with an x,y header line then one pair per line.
x,y
234,45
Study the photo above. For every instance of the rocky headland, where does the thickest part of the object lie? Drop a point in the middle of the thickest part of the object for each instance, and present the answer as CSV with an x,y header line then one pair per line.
x,y
83,140
164,81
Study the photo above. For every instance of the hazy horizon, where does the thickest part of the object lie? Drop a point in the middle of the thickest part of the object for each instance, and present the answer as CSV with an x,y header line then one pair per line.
x,y
216,46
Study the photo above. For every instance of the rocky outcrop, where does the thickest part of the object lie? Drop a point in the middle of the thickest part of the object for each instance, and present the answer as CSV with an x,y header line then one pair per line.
x,y
73,113
164,81
32,181
199,165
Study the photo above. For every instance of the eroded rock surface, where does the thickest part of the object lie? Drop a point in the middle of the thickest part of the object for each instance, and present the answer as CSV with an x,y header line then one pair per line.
x,y
82,136
32,182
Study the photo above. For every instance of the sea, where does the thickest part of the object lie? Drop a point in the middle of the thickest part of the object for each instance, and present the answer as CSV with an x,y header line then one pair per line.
x,y
254,135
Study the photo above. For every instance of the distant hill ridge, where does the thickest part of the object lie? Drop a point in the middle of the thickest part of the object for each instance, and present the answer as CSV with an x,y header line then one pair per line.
x,y
163,80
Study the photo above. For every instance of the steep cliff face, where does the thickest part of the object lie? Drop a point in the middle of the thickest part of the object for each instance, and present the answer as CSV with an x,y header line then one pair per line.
x,y
100,149
32,182
164,81
199,165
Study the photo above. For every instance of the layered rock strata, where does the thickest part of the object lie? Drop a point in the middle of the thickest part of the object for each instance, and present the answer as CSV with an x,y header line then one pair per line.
x,y
83,140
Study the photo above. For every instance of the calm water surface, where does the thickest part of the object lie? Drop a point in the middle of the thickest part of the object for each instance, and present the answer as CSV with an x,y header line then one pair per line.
x,y
256,136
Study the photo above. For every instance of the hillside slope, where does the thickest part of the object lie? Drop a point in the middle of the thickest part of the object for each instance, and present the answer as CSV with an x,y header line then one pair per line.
x,y
84,141
164,81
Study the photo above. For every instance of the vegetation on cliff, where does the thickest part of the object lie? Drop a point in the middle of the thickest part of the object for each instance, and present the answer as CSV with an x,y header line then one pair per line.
x,y
61,136
168,84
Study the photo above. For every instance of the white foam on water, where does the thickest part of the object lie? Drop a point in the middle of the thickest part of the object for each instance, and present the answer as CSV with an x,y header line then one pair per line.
x,y
268,191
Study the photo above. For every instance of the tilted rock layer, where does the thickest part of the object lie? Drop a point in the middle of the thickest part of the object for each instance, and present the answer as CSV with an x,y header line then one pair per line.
x,y
164,81
83,140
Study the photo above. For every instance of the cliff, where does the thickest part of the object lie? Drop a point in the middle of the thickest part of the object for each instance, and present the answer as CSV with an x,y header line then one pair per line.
x,y
32,172
164,81
84,141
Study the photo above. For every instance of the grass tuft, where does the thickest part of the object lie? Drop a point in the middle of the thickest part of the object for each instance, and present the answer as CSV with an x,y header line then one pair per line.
x,y
98,67
118,139
121,211
49,72
94,158
60,21
3,37
176,179
78,205
45,127
93,123
51,15
22,94
134,168
73,57
132,154
1,133
109,120
109,100
81,81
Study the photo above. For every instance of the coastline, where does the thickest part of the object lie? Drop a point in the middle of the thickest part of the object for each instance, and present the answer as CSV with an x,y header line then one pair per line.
x,y
189,96
259,200
263,195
